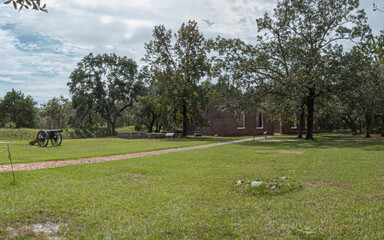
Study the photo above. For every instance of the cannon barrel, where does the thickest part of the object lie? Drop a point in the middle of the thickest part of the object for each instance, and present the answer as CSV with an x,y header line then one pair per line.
x,y
52,130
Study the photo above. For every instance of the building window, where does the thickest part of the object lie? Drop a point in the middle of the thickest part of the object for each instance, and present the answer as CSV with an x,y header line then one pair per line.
x,y
259,119
241,121
294,122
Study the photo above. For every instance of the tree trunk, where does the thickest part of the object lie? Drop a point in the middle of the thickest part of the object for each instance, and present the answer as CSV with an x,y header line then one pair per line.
x,y
300,128
113,124
150,127
158,128
111,127
310,106
185,120
368,125
360,126
109,131
152,123
350,123
382,123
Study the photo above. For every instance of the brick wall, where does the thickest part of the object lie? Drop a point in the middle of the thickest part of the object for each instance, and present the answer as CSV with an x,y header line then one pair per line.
x,y
227,124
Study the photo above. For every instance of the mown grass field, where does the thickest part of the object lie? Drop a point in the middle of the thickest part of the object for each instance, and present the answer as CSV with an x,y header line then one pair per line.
x,y
22,152
192,194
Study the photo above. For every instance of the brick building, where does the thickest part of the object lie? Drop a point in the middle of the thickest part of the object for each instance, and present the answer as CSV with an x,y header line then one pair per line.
x,y
227,123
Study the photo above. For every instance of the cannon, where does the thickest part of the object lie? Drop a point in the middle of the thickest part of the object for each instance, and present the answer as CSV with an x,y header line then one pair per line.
x,y
44,135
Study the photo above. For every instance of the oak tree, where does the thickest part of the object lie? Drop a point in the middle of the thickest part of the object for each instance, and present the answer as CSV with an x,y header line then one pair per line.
x,y
17,108
296,58
177,64
100,83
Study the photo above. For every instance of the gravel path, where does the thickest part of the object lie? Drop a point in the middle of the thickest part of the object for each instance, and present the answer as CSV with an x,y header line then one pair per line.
x,y
68,162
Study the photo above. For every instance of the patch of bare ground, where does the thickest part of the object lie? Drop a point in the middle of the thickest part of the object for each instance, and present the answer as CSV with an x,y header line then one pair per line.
x,y
136,177
309,233
286,152
133,178
237,224
45,230
326,183
376,198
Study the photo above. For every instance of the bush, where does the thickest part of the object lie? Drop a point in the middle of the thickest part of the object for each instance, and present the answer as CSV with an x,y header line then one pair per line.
x,y
10,125
85,132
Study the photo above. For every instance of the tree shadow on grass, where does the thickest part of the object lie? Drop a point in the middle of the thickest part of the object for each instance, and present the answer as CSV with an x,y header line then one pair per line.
x,y
321,142
209,139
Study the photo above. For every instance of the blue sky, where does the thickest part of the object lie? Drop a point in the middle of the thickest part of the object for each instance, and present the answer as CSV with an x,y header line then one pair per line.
x,y
39,51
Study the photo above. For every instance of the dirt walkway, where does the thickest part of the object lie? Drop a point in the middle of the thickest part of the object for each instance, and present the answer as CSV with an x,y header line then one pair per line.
x,y
68,162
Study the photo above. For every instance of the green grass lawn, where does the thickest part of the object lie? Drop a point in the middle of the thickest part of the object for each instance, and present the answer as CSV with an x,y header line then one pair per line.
x,y
91,147
192,194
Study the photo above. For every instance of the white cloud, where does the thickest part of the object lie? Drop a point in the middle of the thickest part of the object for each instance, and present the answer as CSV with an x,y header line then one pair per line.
x,y
41,66
10,80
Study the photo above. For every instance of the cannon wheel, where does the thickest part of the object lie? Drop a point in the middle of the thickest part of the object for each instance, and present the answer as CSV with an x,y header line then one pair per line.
x,y
56,139
42,138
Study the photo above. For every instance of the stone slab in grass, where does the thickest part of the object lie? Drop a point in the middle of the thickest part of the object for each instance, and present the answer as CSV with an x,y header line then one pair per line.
x,y
267,187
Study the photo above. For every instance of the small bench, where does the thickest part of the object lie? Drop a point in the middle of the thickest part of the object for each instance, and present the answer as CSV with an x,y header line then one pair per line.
x,y
170,135
198,133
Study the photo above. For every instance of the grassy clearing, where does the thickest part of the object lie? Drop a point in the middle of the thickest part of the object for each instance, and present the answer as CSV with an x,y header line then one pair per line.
x,y
18,134
91,147
30,134
126,129
192,194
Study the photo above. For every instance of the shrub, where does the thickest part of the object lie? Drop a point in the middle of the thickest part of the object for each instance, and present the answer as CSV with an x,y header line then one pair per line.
x,y
10,125
85,132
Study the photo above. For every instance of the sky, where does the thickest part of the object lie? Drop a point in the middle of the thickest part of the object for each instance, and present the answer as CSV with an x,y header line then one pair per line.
x,y
38,50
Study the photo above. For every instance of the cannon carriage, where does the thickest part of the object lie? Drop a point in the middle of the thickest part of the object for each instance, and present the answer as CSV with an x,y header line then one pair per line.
x,y
45,135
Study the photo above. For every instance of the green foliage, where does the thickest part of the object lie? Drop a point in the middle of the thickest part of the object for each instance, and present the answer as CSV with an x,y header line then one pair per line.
x,y
17,108
333,114
149,112
361,83
304,37
372,48
56,113
100,83
357,93
33,4
85,132
296,60
177,69
127,116
10,125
